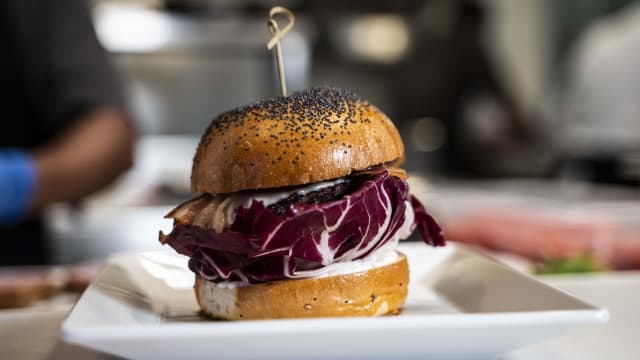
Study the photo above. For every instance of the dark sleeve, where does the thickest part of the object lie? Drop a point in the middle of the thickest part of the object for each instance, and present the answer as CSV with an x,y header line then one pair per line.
x,y
78,75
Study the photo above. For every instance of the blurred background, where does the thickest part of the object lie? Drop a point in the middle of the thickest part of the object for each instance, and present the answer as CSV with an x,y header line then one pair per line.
x,y
521,119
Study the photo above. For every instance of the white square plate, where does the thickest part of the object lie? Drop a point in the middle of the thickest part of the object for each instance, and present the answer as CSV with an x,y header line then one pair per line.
x,y
460,305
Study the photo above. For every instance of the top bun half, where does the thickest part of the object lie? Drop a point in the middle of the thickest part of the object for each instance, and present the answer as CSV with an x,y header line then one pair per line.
x,y
308,136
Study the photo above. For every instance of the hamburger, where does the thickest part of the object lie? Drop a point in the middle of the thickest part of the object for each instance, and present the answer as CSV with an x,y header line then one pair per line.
x,y
302,205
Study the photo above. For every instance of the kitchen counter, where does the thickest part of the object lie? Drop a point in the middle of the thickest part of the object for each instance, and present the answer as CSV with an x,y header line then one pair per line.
x,y
33,333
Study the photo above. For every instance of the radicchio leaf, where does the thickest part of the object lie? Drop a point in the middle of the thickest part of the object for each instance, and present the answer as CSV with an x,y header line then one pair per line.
x,y
261,245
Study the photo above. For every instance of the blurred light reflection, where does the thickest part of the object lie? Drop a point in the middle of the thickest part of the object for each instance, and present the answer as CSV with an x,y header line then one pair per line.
x,y
427,134
131,28
380,38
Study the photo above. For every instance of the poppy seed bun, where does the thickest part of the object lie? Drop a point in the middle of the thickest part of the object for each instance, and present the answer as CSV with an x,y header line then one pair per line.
x,y
378,291
309,136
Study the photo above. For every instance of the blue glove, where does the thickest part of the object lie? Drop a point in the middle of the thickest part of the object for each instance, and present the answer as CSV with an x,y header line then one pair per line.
x,y
17,184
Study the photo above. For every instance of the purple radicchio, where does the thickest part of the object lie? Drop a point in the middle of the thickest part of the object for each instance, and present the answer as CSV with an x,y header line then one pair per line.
x,y
261,245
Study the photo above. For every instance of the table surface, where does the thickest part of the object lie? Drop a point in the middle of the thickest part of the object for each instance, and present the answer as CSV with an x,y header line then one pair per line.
x,y
619,293
33,333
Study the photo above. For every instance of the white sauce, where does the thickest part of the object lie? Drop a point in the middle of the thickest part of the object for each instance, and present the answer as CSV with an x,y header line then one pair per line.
x,y
384,256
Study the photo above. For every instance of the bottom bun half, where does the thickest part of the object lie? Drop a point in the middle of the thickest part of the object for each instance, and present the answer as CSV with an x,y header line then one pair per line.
x,y
378,291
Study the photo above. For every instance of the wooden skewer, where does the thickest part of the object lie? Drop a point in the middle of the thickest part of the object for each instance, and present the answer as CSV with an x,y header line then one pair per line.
x,y
277,37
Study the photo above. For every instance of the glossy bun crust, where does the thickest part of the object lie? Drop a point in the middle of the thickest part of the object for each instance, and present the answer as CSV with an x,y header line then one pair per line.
x,y
309,136
379,291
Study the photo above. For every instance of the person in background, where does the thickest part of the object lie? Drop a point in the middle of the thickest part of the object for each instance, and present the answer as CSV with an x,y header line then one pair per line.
x,y
598,137
64,132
